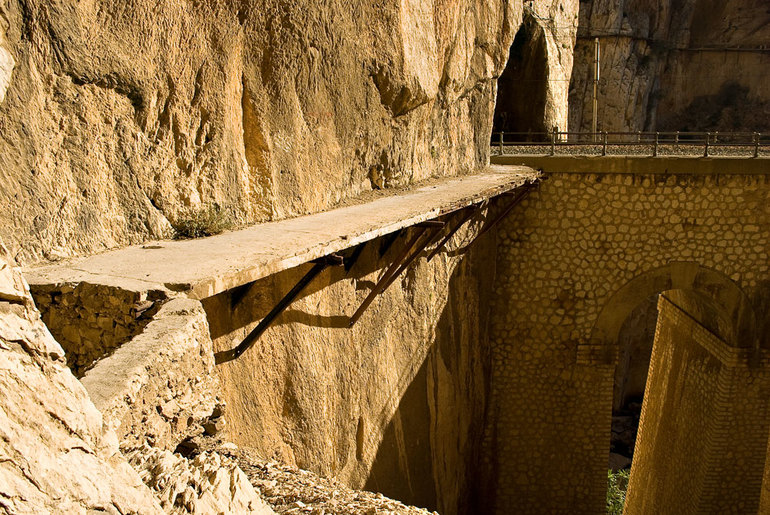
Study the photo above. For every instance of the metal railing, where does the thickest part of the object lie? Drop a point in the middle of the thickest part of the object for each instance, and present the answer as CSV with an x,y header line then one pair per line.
x,y
637,143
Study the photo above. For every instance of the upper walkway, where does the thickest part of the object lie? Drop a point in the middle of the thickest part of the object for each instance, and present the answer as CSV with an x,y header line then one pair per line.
x,y
638,164
207,266
689,153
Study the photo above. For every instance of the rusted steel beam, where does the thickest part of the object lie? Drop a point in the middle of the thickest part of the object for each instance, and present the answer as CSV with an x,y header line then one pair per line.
x,y
319,266
384,280
470,212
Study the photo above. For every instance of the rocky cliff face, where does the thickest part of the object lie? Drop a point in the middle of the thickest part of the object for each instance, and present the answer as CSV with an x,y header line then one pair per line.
x,y
395,404
674,65
116,117
532,90
56,456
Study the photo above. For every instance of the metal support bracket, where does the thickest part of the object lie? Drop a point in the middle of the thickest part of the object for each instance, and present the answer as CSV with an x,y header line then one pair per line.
x,y
400,264
319,266
470,212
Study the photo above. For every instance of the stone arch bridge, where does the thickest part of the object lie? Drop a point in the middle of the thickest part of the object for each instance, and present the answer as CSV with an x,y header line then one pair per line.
x,y
598,237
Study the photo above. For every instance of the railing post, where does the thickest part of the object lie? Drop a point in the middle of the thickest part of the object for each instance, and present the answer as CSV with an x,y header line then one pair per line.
x,y
604,143
501,143
638,136
756,144
553,142
676,140
716,137
706,150
655,146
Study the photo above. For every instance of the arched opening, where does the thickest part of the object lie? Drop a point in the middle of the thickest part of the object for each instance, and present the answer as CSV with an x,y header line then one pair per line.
x,y
522,87
687,377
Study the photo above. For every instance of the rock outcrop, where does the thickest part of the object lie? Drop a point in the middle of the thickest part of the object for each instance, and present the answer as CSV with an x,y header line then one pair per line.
x,y
674,65
56,457
117,117
533,88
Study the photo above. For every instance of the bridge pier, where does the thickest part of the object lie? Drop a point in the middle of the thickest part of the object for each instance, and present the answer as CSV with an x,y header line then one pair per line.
x,y
703,434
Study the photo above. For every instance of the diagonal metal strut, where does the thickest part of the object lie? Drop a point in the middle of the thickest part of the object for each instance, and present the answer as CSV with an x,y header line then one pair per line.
x,y
400,264
319,266
471,211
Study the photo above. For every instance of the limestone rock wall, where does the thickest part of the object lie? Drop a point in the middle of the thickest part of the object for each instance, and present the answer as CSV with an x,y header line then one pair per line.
x,y
533,88
56,457
118,116
394,404
674,65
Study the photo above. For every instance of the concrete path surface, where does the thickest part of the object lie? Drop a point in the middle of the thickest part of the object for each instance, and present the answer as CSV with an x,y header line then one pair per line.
x,y
207,266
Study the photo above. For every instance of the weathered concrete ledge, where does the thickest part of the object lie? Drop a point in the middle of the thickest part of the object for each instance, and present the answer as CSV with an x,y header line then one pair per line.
x,y
717,165
204,267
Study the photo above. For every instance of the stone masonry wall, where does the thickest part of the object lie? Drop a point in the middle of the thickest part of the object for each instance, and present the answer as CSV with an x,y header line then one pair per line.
x,y
90,321
704,427
394,404
158,388
562,254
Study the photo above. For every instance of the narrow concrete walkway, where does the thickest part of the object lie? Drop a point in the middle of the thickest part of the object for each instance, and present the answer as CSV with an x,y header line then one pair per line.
x,y
207,266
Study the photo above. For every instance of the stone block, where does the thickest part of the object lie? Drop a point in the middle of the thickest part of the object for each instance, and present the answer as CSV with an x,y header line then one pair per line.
x,y
160,384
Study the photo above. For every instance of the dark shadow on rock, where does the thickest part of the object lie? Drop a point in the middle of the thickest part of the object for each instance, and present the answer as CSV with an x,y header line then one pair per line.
x,y
430,454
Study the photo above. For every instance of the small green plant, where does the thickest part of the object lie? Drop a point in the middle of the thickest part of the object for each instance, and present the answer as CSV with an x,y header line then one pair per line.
x,y
616,491
202,221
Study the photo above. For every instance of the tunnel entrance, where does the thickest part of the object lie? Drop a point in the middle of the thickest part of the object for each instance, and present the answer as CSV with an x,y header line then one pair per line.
x,y
522,87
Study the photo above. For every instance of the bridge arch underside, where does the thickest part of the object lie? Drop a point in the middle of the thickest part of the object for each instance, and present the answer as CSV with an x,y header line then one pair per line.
x,y
573,261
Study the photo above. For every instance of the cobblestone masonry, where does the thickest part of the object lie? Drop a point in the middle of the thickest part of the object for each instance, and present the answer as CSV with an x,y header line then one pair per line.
x,y
90,321
562,255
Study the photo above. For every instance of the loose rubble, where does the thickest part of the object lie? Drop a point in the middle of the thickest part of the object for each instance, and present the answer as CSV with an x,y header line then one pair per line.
x,y
208,483
291,490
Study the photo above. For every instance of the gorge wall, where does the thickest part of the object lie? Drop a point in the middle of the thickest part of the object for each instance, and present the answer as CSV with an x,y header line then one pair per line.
x,y
118,121
117,117
394,404
692,65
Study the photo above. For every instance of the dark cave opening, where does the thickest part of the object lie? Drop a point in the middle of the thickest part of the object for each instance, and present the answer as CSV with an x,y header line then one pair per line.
x,y
522,87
